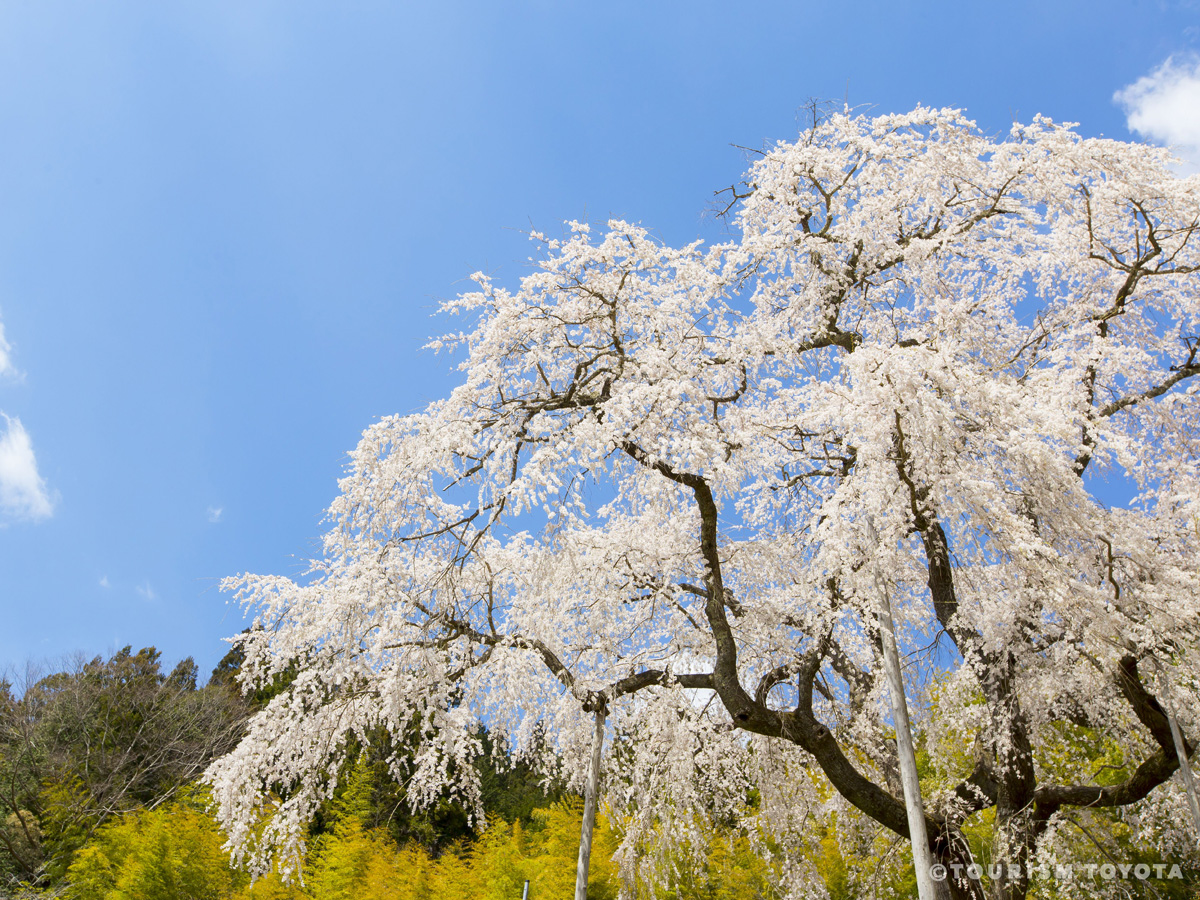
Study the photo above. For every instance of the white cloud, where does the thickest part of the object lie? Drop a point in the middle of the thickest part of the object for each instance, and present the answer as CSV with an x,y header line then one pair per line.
x,y
1164,106
6,364
22,491
146,591
214,514
104,581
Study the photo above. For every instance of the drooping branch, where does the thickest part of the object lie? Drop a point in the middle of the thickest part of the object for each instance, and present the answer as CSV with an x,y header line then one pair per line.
x,y
1187,370
801,725
1150,773
590,699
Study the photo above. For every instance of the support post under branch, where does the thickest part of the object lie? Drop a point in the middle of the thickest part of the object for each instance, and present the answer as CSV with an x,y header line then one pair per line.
x,y
589,808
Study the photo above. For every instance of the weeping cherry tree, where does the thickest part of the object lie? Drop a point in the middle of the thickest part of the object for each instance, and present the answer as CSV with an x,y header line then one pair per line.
x,y
672,483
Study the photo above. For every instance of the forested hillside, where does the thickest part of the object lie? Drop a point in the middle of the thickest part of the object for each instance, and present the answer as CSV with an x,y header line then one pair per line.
x,y
100,801
99,761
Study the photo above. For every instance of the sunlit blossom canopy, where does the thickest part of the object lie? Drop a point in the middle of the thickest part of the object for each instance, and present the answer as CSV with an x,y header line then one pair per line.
x,y
668,477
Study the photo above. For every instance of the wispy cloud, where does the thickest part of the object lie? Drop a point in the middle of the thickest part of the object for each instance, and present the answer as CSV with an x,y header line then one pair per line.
x,y
6,363
146,591
1164,106
22,492
104,581
214,514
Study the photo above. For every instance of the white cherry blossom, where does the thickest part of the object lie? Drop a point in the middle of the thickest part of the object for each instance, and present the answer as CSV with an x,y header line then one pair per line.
x,y
653,489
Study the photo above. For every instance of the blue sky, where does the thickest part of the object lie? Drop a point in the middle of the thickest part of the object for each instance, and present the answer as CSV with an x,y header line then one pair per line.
x,y
225,227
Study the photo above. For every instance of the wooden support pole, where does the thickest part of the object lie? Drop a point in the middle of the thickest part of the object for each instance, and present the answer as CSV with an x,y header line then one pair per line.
x,y
919,837
589,808
1185,767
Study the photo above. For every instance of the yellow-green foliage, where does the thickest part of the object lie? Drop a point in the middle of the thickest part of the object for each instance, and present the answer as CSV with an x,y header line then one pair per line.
x,y
725,865
175,853
453,875
172,854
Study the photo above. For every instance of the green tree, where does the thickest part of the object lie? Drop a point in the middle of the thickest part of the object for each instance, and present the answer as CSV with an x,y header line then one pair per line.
x,y
99,738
